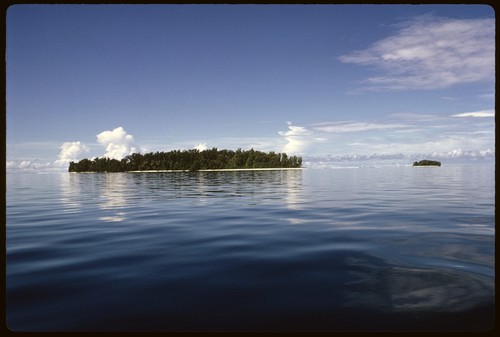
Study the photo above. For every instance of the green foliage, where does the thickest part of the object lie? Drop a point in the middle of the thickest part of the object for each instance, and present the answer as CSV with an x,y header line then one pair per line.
x,y
189,160
97,165
426,162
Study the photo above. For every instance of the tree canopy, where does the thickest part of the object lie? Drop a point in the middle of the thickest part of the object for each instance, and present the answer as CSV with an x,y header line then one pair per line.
x,y
427,162
188,160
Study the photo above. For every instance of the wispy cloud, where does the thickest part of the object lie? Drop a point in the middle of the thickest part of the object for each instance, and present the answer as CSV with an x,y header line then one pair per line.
x,y
477,114
118,143
414,117
351,126
403,132
490,96
429,53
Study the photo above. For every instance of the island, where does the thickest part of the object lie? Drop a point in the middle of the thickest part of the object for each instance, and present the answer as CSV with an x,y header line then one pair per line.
x,y
426,162
189,160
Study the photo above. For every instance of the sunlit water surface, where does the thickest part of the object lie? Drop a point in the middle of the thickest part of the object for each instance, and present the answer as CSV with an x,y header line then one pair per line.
x,y
396,248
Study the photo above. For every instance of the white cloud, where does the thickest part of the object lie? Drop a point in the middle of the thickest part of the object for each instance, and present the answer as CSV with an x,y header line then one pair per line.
x,y
117,142
30,166
459,153
482,113
298,139
71,151
430,53
201,147
350,126
391,159
437,144
414,117
407,133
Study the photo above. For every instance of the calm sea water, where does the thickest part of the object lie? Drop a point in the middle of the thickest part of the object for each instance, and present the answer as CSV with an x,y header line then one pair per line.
x,y
396,248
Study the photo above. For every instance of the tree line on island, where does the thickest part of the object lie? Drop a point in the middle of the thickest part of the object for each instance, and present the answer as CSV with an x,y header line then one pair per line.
x,y
427,162
188,160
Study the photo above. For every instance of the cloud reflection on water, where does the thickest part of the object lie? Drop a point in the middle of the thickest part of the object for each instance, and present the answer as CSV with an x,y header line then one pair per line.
x,y
117,191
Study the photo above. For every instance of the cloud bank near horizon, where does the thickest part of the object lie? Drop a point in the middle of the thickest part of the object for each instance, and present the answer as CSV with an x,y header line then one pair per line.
x,y
398,133
399,136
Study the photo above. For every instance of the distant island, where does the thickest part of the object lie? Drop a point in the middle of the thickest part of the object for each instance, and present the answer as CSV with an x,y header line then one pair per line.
x,y
189,160
427,163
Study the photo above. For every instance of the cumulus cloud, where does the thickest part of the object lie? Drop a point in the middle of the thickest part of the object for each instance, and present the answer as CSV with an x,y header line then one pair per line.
x,y
298,139
71,151
118,143
477,114
430,52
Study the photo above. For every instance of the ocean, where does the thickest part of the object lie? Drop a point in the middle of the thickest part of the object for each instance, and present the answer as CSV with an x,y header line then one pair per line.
x,y
354,249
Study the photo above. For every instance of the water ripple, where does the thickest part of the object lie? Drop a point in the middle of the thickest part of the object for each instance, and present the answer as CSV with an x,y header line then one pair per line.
x,y
376,249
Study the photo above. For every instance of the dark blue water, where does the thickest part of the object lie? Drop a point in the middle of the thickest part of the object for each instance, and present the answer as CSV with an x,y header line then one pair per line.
x,y
397,248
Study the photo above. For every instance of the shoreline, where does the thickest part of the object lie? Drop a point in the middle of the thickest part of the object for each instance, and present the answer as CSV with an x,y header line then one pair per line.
x,y
205,170
224,170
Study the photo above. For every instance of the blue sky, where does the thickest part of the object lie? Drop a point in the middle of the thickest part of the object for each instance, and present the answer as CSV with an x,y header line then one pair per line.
x,y
312,80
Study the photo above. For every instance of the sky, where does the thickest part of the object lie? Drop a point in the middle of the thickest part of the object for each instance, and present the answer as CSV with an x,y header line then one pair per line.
x,y
319,81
